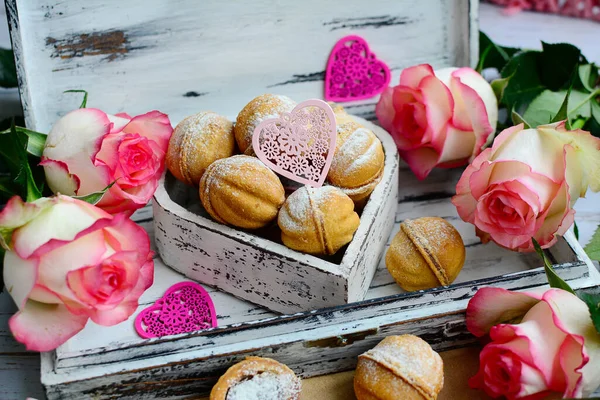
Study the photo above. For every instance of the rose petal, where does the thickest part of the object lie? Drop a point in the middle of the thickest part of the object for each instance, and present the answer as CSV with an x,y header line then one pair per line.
x,y
558,219
17,213
126,308
55,265
587,148
58,172
153,125
464,201
385,110
88,283
74,140
458,146
44,327
571,358
126,235
545,339
535,149
413,76
475,99
571,316
19,277
421,160
50,224
119,122
439,104
492,306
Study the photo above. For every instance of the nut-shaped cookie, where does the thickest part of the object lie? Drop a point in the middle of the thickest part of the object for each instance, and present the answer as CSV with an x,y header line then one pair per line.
x,y
317,220
358,161
263,107
256,377
241,191
427,252
399,367
197,142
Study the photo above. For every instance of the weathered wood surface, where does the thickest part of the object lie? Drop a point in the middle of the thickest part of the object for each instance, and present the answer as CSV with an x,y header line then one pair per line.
x,y
17,378
210,55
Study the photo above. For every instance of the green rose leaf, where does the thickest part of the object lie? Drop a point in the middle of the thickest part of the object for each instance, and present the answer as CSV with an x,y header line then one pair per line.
x,y
593,247
85,96
8,70
595,109
13,152
588,75
592,126
524,83
547,104
593,303
95,197
498,86
556,74
554,280
518,119
491,55
35,142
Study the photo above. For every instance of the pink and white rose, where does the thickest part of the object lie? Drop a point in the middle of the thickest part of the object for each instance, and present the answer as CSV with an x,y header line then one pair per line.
x,y
87,150
549,346
68,261
527,183
438,118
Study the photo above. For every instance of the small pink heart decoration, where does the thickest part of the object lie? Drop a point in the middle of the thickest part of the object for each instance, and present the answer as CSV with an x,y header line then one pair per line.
x,y
185,307
353,72
298,145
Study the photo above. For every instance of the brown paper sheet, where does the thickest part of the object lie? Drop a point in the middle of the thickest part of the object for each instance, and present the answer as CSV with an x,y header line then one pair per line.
x,y
459,366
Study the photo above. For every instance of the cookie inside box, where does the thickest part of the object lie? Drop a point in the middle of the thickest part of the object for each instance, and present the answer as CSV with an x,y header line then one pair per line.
x,y
187,197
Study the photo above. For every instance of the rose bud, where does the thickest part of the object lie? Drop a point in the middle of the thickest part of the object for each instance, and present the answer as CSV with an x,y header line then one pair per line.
x,y
438,118
87,150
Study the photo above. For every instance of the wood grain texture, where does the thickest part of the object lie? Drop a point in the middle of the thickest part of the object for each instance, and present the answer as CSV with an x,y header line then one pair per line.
x,y
215,55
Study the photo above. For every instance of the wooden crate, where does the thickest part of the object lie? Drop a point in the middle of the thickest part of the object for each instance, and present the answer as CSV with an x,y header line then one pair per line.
x,y
185,56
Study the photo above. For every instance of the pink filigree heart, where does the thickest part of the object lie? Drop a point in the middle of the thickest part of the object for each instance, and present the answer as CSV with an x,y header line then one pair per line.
x,y
185,307
298,145
353,72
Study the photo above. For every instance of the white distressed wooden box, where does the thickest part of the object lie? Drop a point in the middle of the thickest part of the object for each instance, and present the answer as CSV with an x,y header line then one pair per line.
x,y
262,270
184,56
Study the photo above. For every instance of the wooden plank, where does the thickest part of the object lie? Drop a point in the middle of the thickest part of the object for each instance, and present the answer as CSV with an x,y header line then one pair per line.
x,y
215,55
20,377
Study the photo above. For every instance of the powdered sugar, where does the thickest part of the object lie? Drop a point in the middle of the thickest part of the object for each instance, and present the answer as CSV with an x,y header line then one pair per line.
x,y
266,386
412,359
301,204
259,109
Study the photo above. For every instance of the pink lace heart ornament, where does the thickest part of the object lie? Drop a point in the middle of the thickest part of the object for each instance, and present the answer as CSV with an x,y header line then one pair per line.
x,y
299,145
185,307
354,72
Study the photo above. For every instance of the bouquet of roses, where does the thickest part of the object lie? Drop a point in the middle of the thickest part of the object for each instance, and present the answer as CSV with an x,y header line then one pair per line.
x,y
518,190
76,255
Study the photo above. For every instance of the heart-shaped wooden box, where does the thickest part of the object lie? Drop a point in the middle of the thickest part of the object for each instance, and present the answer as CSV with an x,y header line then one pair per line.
x,y
259,268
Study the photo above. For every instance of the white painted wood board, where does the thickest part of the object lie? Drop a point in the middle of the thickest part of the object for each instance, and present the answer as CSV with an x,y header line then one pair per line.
x,y
183,56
